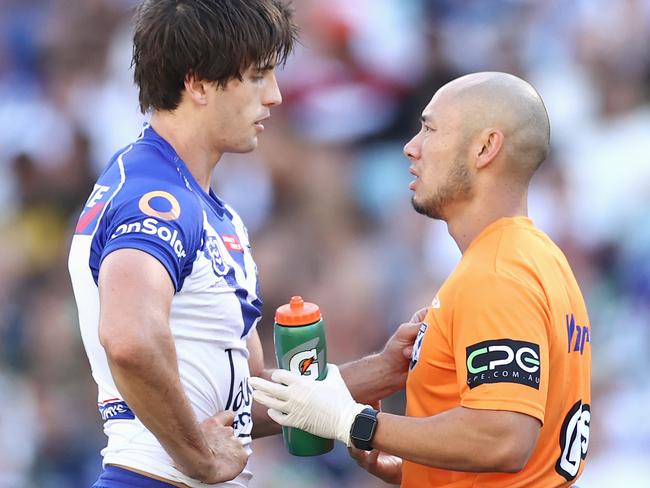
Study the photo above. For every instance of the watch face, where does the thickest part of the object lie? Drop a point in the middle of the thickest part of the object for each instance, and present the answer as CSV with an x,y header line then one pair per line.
x,y
363,427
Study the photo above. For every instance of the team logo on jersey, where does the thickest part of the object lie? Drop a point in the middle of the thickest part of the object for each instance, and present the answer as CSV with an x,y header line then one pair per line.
x,y
436,302
305,363
503,361
574,440
152,227
212,252
417,345
115,409
169,208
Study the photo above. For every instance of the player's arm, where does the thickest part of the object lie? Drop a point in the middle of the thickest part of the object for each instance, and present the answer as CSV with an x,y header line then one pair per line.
x,y
460,439
135,300
263,425
378,376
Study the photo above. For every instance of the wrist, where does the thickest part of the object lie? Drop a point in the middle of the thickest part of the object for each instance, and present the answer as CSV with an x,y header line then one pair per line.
x,y
363,429
346,425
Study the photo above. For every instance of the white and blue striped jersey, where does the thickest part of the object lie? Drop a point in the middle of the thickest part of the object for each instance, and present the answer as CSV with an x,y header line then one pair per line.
x,y
147,199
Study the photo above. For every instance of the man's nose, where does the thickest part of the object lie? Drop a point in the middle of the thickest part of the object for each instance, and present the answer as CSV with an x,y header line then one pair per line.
x,y
272,95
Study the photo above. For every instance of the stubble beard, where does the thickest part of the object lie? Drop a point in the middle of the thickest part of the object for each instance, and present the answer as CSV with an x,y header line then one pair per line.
x,y
457,188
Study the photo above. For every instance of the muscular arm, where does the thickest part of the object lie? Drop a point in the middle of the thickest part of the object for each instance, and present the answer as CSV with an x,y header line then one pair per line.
x,y
377,376
372,378
135,296
262,424
461,439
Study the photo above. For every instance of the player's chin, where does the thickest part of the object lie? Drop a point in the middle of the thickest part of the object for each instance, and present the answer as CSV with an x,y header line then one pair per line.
x,y
245,146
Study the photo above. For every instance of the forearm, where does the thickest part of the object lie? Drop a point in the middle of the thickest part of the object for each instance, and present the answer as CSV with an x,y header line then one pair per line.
x,y
372,378
460,439
263,425
149,383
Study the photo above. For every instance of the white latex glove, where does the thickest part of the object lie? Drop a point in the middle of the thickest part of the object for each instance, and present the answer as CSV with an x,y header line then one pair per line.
x,y
323,408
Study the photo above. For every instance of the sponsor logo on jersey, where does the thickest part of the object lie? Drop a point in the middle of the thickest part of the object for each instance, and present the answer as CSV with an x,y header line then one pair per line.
x,y
574,440
162,199
417,345
577,335
115,409
93,208
305,363
503,361
232,243
151,226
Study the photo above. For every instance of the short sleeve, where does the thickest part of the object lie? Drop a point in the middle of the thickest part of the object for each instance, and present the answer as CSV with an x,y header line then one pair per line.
x,y
164,222
501,346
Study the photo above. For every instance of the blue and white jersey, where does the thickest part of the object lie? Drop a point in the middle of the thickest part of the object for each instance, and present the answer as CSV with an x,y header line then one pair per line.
x,y
147,199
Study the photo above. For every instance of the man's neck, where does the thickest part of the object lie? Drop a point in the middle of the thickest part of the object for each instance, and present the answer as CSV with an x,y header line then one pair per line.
x,y
469,221
190,142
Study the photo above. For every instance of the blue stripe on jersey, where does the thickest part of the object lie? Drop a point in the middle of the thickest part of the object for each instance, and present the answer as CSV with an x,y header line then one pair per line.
x,y
115,477
114,410
251,312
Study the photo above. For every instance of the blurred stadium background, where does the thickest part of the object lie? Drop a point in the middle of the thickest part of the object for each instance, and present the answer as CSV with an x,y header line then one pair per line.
x,y
326,200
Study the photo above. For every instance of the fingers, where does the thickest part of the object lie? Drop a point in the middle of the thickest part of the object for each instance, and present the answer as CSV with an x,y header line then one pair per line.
x,y
269,387
225,417
358,455
269,401
408,352
285,377
419,315
363,458
408,332
278,417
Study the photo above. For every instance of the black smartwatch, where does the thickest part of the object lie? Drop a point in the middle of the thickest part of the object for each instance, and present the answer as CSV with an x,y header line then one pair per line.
x,y
363,429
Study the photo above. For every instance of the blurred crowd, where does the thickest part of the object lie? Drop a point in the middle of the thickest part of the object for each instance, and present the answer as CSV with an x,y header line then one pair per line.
x,y
326,199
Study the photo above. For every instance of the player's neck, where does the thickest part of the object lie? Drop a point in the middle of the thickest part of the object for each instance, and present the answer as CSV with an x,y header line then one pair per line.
x,y
469,221
190,143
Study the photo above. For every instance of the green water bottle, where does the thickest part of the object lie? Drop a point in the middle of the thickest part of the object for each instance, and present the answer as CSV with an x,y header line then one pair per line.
x,y
299,336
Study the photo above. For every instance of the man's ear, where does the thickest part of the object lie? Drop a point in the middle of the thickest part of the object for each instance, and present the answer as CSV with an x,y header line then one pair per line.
x,y
490,144
196,89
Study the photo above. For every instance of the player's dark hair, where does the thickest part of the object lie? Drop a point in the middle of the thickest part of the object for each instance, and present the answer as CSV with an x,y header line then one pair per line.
x,y
214,40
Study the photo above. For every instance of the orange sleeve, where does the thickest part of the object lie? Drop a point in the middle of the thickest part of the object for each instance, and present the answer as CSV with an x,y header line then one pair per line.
x,y
501,346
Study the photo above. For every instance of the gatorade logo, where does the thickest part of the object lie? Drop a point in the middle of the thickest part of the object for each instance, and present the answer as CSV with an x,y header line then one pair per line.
x,y
305,363
170,202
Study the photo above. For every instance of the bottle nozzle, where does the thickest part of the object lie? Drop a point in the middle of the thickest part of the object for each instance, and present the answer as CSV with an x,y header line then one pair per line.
x,y
297,312
296,302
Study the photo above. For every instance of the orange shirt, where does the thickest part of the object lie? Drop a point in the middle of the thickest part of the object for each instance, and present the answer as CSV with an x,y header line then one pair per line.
x,y
508,330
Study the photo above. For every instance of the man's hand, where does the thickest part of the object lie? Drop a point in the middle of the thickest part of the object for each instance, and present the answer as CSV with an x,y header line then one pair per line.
x,y
384,466
323,408
378,376
399,348
227,454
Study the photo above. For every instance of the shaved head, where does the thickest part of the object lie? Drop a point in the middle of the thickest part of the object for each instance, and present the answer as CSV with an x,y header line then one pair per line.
x,y
507,103
481,139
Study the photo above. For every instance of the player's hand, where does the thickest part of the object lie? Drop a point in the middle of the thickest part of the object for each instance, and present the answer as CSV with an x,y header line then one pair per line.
x,y
228,455
323,408
384,466
399,347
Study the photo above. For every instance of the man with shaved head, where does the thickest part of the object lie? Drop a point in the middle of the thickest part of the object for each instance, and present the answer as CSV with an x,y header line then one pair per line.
x,y
498,385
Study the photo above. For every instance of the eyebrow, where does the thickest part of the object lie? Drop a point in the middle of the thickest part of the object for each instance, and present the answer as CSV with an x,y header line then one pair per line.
x,y
266,67
425,118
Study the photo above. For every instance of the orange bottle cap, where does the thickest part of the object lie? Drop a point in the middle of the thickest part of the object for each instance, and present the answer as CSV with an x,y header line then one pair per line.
x,y
297,312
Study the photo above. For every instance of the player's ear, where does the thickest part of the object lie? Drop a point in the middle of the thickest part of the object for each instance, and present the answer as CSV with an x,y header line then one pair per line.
x,y
489,145
196,89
